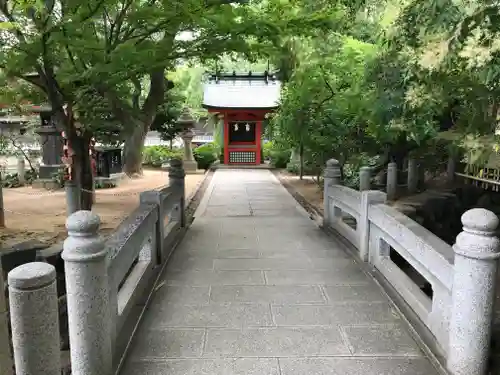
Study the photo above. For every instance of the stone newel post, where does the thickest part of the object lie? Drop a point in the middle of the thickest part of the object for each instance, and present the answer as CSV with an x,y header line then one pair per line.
x,y
365,178
412,175
6,364
85,264
176,177
368,197
392,181
332,177
294,158
34,318
451,168
477,251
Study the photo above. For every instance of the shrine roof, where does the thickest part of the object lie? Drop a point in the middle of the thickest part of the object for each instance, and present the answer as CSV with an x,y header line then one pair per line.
x,y
241,91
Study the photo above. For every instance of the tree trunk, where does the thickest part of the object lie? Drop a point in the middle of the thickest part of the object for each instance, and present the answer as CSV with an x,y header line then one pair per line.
x,y
132,151
82,170
171,144
301,157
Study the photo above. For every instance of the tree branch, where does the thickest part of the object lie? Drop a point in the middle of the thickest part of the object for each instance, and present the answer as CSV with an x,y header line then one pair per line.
x,y
116,27
20,149
155,95
92,12
136,94
118,107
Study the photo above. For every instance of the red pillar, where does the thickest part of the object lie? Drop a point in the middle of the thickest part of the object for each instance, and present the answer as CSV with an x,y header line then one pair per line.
x,y
258,133
226,139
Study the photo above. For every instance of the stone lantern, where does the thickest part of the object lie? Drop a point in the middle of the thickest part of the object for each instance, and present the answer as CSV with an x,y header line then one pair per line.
x,y
187,123
52,145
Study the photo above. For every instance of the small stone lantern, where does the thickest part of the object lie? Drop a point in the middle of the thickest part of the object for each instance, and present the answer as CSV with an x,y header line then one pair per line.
x,y
187,122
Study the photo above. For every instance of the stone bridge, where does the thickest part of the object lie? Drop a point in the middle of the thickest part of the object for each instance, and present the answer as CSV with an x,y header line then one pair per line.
x,y
254,287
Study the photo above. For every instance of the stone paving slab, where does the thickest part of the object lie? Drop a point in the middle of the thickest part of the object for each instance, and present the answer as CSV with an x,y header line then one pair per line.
x,y
256,288
355,366
275,342
278,294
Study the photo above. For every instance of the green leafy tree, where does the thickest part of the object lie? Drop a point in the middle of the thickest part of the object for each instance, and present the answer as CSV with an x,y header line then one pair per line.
x,y
322,103
111,56
165,121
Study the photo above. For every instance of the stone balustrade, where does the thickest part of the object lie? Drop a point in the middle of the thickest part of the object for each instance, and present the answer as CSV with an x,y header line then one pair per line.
x,y
457,318
108,283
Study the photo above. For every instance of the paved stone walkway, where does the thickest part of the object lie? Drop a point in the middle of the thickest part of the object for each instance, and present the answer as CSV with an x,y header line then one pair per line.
x,y
256,289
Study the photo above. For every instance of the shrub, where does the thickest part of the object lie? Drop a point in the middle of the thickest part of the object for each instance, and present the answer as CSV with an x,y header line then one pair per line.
x,y
266,150
155,156
11,180
59,177
107,184
205,155
278,155
280,158
293,168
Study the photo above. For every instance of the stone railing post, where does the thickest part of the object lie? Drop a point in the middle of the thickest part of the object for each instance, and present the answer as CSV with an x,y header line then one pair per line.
x,y
367,198
294,159
477,251
21,169
72,197
451,168
155,198
176,177
412,178
35,319
87,285
6,364
365,178
392,181
332,176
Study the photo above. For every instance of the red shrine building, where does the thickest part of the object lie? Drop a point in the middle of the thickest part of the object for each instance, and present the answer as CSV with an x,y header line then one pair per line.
x,y
242,101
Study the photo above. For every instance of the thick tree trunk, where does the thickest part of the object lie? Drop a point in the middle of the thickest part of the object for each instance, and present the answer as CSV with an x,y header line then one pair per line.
x,y
132,151
82,170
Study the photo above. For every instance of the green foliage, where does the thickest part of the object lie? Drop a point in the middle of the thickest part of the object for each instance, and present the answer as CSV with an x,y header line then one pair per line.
x,y
165,121
59,178
155,156
293,168
106,184
11,180
322,105
278,155
279,158
266,149
389,82
106,62
205,155
4,145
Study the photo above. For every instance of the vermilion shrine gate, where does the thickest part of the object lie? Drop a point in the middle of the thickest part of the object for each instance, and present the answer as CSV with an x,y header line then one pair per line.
x,y
242,100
